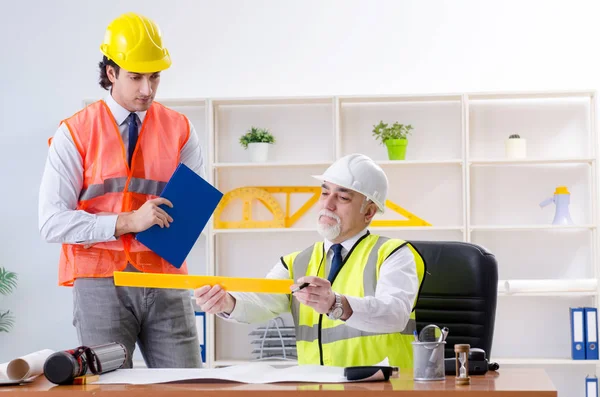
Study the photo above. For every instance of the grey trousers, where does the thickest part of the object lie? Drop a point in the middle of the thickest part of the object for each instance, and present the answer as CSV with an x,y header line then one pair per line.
x,y
161,321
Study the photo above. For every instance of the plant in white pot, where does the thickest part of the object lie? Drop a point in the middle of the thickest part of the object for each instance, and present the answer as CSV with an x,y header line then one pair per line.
x,y
394,137
257,142
8,282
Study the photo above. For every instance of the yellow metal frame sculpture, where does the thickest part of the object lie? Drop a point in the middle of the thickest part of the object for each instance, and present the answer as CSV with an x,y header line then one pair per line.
x,y
286,219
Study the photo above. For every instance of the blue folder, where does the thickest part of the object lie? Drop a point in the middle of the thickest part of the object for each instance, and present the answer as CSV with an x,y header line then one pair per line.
x,y
577,333
591,386
194,201
591,333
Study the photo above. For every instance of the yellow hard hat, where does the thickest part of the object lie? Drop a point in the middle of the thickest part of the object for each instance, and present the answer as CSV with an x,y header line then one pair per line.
x,y
134,43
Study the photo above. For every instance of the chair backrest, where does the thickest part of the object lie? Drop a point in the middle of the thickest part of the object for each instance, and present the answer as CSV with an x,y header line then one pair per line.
x,y
459,291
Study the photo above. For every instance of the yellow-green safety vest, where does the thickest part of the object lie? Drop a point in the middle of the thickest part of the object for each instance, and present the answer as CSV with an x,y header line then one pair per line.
x,y
321,341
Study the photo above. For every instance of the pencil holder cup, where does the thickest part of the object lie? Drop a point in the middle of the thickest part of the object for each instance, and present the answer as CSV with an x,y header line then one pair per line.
x,y
428,361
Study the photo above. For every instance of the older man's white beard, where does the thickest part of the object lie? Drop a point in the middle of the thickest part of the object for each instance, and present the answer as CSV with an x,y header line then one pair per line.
x,y
330,232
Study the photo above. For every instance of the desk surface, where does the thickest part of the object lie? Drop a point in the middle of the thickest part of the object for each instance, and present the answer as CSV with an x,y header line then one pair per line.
x,y
509,382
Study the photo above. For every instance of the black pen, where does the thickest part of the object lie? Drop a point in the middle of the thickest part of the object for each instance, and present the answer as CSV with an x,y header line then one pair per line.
x,y
300,287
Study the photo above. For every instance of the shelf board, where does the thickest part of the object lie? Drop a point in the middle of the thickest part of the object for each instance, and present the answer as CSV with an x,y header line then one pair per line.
x,y
399,98
261,101
529,227
314,230
273,164
328,163
543,361
266,230
420,162
182,101
531,95
424,228
482,162
531,161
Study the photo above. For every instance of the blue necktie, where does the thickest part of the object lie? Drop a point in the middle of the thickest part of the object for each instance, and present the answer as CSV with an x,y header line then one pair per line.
x,y
336,262
133,136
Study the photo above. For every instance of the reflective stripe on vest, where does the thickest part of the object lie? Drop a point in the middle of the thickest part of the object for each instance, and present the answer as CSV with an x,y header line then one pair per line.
x,y
320,340
117,185
341,332
112,185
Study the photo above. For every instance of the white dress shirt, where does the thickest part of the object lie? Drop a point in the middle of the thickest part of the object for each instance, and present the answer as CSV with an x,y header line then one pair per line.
x,y
62,181
388,311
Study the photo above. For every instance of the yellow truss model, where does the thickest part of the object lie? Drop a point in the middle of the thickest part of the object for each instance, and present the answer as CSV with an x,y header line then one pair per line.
x,y
284,220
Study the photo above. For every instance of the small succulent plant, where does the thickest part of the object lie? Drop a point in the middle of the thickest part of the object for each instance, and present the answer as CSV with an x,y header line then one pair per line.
x,y
514,136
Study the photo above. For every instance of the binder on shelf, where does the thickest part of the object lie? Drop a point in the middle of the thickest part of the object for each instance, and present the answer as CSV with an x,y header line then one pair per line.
x,y
577,333
201,329
591,333
194,201
591,386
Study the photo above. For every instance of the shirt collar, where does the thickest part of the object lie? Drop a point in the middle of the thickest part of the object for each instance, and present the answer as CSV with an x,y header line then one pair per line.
x,y
347,244
119,112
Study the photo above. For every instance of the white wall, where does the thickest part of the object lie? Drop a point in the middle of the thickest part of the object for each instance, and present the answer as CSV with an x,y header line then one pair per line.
x,y
50,51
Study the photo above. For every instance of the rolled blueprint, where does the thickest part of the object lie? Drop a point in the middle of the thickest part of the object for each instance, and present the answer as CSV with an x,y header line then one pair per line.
x,y
551,285
25,367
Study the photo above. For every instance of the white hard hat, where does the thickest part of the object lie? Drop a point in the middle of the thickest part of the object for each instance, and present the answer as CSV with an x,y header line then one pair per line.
x,y
359,173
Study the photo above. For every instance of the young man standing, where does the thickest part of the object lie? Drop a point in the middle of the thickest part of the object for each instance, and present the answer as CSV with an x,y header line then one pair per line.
x,y
106,167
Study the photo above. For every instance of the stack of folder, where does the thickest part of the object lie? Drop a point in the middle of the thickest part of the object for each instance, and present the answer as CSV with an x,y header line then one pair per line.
x,y
584,333
584,341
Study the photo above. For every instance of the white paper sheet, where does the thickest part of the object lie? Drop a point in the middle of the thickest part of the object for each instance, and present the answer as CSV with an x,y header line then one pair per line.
x,y
384,363
244,373
25,368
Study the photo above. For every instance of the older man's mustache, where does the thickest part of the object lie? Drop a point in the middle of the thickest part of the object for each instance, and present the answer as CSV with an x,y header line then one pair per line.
x,y
329,214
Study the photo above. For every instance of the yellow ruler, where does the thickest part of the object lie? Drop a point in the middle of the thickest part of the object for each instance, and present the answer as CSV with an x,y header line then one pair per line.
x,y
182,281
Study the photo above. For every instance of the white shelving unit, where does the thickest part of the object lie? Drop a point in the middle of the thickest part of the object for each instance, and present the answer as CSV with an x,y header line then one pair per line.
x,y
562,150
456,176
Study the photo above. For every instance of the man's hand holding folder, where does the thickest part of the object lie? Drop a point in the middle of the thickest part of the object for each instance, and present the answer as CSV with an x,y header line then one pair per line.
x,y
148,215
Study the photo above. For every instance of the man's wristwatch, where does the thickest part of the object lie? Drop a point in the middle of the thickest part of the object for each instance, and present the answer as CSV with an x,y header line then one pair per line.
x,y
337,310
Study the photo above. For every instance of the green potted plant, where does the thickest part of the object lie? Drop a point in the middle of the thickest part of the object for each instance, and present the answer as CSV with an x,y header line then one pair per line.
x,y
8,282
257,141
394,137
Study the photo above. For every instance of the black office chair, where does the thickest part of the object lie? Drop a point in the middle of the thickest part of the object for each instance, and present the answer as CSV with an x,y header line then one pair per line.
x,y
459,291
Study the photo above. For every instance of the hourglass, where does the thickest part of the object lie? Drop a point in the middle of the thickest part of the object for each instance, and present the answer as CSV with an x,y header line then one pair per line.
x,y
462,364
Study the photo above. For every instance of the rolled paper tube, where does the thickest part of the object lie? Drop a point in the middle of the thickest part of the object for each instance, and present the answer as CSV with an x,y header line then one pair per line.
x,y
25,367
550,285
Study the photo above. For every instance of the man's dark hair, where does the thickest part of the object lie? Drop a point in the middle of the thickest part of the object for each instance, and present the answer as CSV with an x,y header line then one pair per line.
x,y
104,81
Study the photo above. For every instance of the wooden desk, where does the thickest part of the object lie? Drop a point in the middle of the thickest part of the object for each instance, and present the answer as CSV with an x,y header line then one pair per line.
x,y
506,383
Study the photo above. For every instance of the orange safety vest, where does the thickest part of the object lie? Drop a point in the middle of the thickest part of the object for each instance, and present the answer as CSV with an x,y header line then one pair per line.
x,y
111,186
